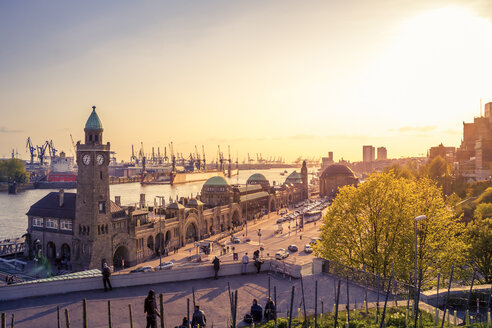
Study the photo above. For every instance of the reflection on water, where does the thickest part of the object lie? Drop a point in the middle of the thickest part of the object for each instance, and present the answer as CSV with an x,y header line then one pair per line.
x,y
13,208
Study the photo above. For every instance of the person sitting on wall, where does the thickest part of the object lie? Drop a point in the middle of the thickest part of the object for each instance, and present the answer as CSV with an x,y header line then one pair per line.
x,y
106,273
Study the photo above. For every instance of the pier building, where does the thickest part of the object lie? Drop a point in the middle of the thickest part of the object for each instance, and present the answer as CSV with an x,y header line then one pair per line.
x,y
86,229
334,177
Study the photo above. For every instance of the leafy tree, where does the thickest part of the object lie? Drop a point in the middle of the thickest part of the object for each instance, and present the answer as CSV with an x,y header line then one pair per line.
x,y
373,224
476,188
13,169
400,171
483,210
480,252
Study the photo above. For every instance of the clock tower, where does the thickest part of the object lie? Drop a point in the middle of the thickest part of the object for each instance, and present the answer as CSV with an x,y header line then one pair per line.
x,y
92,225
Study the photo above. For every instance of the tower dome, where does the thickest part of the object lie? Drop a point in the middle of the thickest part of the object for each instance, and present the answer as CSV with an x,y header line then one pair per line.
x,y
93,122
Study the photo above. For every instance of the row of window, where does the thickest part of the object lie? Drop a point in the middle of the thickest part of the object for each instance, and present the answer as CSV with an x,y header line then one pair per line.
x,y
102,229
52,223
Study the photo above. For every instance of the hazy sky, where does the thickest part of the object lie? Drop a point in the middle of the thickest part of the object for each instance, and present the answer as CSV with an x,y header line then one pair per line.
x,y
284,78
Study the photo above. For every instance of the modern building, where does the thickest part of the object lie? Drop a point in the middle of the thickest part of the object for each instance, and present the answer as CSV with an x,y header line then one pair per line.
x,y
475,152
368,153
333,178
382,154
326,161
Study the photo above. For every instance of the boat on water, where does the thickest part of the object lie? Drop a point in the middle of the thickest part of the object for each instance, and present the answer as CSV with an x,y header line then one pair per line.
x,y
62,174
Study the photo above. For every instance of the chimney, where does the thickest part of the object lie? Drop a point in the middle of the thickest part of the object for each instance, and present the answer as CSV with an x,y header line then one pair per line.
x,y
62,196
117,200
142,200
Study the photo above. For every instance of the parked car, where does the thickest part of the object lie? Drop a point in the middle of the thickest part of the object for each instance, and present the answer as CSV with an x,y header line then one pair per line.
x,y
314,240
236,240
293,248
281,254
164,266
142,269
280,220
308,248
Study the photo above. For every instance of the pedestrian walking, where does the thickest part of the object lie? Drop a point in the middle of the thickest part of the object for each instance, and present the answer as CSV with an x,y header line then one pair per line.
x,y
216,263
199,318
150,307
245,262
106,273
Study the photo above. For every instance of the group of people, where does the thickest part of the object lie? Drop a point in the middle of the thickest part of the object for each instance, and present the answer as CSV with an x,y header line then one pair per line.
x,y
10,279
257,314
150,308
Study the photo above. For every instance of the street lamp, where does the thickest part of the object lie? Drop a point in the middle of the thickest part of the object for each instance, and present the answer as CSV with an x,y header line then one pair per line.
x,y
418,218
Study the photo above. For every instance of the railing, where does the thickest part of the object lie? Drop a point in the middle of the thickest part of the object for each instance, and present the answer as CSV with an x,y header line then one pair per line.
x,y
371,280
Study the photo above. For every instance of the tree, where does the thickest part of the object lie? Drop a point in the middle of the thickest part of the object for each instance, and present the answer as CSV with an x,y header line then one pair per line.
x,y
13,170
479,234
483,210
373,224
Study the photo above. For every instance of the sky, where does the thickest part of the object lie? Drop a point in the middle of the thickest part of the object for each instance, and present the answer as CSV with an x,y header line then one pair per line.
x,y
281,78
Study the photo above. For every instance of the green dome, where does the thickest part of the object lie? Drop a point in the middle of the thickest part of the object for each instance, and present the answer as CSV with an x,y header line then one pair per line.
x,y
257,177
216,181
93,123
294,178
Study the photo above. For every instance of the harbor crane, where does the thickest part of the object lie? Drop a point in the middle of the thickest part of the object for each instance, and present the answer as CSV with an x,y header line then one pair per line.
x,y
203,158
51,148
166,159
42,151
73,145
31,149
133,157
173,158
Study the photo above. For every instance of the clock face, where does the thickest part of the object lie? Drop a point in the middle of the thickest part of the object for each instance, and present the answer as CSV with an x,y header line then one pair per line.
x,y
86,159
100,159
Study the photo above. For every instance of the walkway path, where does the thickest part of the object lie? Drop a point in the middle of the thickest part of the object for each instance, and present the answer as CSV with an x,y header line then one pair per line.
x,y
211,295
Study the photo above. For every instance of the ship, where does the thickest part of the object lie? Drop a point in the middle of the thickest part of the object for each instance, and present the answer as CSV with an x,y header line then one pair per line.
x,y
62,174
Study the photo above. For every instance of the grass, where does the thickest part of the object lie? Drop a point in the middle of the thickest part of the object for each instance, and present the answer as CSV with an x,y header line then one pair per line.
x,y
395,317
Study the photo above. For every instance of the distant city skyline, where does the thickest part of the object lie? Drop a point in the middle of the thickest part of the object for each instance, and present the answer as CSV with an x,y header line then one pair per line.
x,y
280,78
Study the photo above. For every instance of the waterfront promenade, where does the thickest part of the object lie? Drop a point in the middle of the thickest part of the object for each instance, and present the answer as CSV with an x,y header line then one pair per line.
x,y
211,295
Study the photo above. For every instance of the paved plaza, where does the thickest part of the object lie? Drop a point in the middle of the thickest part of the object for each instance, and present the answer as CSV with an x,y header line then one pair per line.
x,y
211,295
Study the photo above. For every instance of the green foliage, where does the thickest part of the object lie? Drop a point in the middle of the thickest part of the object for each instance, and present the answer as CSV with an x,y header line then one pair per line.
x,y
485,196
373,224
13,169
479,235
483,210
395,317
400,171
476,188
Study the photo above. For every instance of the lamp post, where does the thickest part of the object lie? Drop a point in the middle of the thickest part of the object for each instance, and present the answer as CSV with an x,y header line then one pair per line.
x,y
415,297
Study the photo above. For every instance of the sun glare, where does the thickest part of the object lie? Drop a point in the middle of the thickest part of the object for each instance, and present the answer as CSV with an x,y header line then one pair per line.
x,y
436,55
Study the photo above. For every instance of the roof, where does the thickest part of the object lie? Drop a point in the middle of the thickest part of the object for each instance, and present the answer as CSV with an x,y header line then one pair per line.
x,y
195,202
256,195
337,169
216,181
294,177
93,122
248,187
113,207
257,177
175,206
49,206
69,276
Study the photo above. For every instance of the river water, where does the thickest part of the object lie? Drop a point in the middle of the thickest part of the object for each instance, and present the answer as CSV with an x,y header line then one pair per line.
x,y
13,208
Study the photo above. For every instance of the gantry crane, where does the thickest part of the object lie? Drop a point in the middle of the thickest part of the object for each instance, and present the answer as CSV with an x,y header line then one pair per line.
x,y
31,149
